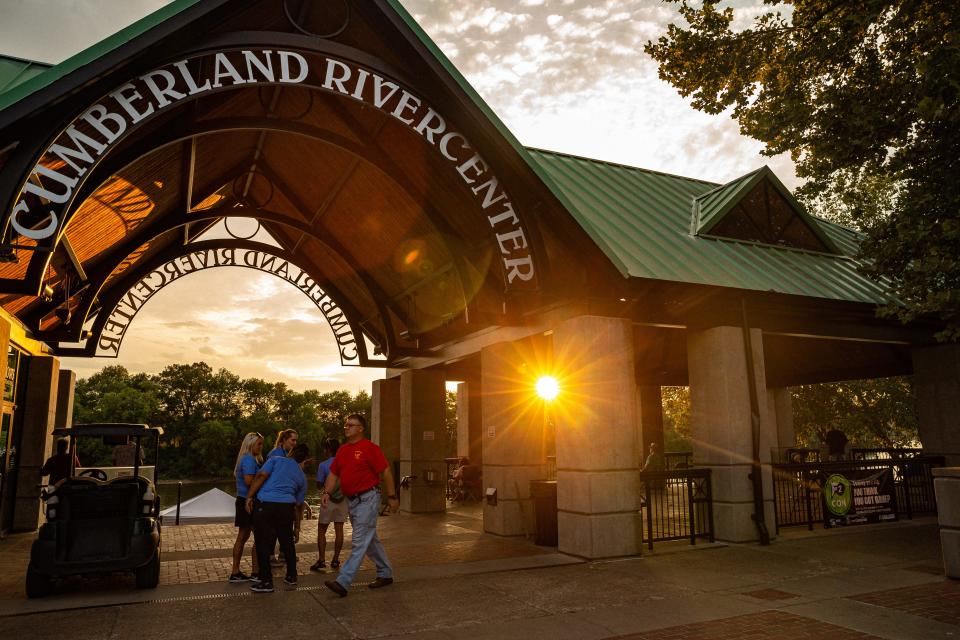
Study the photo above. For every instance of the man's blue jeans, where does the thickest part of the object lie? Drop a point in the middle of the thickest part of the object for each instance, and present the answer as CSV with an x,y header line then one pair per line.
x,y
363,518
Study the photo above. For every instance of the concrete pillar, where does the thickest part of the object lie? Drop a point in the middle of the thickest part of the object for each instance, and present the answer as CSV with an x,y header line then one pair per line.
x,y
936,382
470,422
423,440
385,417
780,406
39,416
650,414
513,430
598,487
721,425
66,386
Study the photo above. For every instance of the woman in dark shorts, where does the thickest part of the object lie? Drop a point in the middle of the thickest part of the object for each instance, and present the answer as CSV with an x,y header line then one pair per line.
x,y
248,463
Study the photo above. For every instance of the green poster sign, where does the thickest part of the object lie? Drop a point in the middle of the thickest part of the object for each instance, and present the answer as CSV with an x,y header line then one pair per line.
x,y
859,496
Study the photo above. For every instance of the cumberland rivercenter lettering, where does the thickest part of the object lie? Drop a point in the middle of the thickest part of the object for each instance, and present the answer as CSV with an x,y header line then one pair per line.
x,y
46,196
117,323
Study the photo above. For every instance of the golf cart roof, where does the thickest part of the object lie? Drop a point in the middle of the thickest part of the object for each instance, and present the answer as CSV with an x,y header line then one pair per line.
x,y
108,429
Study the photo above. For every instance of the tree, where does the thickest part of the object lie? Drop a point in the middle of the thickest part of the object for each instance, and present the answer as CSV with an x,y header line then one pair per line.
x,y
450,422
215,447
676,419
865,96
872,413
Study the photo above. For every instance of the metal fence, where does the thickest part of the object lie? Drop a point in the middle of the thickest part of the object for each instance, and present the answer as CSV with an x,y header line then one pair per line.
x,y
798,488
677,460
677,504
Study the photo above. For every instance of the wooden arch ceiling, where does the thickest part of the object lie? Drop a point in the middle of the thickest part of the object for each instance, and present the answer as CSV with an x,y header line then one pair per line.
x,y
353,195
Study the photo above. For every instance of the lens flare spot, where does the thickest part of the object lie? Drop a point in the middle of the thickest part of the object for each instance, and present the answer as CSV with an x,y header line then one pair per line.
x,y
548,388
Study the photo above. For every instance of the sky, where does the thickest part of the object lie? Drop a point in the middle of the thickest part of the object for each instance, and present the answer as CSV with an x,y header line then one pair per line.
x,y
564,75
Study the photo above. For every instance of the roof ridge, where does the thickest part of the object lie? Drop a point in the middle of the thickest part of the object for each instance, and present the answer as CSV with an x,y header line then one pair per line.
x,y
729,182
7,56
621,165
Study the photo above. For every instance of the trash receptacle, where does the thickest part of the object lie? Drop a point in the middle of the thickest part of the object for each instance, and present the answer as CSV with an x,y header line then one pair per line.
x,y
946,484
544,494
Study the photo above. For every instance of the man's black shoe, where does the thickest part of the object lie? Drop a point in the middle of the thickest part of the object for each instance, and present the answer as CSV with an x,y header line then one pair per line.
x,y
380,582
336,587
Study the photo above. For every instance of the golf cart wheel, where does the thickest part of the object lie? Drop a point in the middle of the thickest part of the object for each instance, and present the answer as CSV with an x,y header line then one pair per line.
x,y
148,576
38,585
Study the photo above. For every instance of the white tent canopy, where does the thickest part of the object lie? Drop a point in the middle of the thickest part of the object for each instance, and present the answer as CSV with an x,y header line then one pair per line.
x,y
213,506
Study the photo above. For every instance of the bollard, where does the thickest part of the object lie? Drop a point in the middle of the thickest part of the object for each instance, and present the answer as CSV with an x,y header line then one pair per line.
x,y
179,490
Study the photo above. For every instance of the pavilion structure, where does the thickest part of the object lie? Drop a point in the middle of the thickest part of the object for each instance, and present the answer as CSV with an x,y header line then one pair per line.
x,y
378,183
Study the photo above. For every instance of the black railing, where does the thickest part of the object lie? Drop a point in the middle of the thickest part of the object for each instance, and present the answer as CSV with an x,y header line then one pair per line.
x,y
677,460
677,504
798,488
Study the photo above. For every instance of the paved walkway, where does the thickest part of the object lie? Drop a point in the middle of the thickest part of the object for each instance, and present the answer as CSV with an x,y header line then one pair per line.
x,y
881,581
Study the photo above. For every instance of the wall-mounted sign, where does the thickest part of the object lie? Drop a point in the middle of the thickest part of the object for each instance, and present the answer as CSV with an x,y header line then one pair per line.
x,y
428,435
859,496
108,343
45,200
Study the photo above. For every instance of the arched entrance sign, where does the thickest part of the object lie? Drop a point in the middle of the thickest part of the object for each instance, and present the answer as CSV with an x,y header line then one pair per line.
x,y
109,334
46,197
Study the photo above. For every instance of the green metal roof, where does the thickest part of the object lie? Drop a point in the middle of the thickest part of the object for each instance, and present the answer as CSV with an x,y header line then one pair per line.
x,y
51,75
15,71
709,208
641,219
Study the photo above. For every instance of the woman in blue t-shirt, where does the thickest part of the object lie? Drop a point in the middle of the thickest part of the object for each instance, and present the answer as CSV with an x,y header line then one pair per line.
x,y
248,463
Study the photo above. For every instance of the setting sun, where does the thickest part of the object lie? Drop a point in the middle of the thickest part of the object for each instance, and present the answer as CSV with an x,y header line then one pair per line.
x,y
548,388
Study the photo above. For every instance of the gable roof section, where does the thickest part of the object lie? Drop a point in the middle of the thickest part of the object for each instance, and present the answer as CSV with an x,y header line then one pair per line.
x,y
16,71
712,208
99,50
642,221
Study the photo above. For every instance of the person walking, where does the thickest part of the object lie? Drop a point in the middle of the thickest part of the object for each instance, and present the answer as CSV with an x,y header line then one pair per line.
x,y
334,511
248,463
274,498
359,466
57,466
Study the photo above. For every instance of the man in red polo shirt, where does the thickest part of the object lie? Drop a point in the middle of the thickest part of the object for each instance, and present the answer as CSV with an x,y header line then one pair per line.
x,y
359,465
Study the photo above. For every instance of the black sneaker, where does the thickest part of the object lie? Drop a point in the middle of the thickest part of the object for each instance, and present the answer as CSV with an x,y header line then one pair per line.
x,y
262,587
240,576
290,581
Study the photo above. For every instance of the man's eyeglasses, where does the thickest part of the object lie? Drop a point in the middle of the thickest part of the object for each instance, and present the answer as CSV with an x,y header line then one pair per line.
x,y
352,424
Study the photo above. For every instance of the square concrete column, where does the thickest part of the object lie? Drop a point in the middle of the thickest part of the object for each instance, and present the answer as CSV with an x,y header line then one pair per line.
x,y
385,417
720,421
780,406
598,486
423,440
650,414
513,436
470,422
936,382
39,419
66,386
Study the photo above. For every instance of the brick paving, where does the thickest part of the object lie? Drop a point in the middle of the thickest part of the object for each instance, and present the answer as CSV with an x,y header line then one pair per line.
x,y
755,626
937,601
201,553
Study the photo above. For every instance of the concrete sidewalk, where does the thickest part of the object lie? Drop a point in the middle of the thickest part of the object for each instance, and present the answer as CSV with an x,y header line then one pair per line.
x,y
882,581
